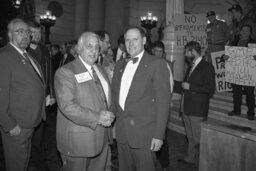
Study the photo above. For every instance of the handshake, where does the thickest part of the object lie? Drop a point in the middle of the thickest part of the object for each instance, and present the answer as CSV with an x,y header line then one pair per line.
x,y
106,118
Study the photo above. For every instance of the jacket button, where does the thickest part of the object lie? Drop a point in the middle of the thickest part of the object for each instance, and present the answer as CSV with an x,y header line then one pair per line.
x,y
132,122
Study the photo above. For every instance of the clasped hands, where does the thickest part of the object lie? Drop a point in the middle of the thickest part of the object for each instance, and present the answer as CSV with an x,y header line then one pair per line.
x,y
15,131
106,118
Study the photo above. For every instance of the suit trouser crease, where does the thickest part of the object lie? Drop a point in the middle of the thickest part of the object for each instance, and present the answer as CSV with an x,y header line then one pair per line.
x,y
17,150
135,159
97,163
193,133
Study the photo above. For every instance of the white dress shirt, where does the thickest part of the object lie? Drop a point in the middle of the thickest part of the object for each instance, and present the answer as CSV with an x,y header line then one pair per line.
x,y
103,82
127,78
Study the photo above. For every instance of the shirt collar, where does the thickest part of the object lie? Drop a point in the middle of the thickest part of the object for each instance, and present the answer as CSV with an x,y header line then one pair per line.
x,y
197,60
19,50
87,66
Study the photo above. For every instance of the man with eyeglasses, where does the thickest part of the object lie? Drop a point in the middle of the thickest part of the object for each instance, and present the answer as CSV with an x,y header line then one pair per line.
x,y
40,53
22,96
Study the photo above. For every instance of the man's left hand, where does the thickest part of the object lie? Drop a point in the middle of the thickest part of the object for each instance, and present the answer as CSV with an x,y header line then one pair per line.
x,y
156,144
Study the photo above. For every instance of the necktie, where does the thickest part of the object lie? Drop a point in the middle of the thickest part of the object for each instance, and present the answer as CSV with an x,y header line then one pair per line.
x,y
189,71
25,54
134,60
99,85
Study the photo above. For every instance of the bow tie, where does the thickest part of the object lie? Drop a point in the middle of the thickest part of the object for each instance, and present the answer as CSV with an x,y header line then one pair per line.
x,y
134,60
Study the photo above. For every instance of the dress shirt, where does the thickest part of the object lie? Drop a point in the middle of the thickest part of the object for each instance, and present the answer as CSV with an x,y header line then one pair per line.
x,y
196,62
101,78
127,78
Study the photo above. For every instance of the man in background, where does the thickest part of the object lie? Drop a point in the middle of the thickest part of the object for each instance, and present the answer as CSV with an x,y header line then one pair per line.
x,y
106,55
239,19
217,35
22,96
40,53
198,85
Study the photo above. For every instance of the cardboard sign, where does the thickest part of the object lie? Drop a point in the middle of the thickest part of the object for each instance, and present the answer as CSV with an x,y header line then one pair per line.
x,y
241,66
190,27
219,67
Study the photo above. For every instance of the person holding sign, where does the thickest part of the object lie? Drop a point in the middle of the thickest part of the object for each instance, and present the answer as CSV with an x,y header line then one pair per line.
x,y
239,19
198,85
217,34
243,40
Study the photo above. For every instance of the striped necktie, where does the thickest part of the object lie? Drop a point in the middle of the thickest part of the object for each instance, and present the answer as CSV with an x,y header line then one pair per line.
x,y
25,54
99,85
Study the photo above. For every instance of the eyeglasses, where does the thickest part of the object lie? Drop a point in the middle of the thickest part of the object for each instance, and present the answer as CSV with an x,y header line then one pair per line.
x,y
22,32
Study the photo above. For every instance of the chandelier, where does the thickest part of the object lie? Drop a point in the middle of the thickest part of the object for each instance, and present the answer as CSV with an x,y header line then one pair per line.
x,y
16,3
148,21
47,20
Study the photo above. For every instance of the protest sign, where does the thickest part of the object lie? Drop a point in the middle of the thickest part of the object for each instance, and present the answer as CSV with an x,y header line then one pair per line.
x,y
219,67
241,66
190,27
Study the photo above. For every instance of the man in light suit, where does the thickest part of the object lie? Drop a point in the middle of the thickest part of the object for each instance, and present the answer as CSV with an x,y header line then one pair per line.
x,y
22,96
141,95
83,97
198,85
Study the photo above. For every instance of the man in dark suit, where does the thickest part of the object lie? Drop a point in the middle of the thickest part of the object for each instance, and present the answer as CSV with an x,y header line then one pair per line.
x,y
198,85
84,96
22,96
66,56
41,54
141,95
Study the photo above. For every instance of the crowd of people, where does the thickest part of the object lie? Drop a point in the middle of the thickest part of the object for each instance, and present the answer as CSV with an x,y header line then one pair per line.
x,y
105,96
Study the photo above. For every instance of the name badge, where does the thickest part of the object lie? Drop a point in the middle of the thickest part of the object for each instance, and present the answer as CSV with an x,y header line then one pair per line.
x,y
83,77
208,29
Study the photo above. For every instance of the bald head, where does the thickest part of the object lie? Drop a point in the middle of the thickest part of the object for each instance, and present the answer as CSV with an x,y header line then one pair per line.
x,y
88,47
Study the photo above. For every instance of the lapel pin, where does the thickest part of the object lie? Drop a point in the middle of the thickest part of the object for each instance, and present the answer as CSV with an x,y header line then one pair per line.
x,y
23,61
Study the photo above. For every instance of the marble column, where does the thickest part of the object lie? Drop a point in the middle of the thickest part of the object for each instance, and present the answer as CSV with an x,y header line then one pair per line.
x,y
96,20
174,53
81,17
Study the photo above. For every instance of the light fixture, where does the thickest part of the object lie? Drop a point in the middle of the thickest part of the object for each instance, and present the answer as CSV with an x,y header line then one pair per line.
x,y
47,20
16,3
148,22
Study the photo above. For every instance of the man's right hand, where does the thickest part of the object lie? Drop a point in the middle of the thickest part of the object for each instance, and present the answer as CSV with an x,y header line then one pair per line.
x,y
106,118
15,131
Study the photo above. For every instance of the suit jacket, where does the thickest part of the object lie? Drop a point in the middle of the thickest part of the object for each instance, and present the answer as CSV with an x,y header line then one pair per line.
x,y
22,96
202,85
78,132
42,56
147,104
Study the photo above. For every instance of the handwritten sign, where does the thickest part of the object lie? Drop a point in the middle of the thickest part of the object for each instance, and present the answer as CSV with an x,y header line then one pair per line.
x,y
241,66
219,67
190,27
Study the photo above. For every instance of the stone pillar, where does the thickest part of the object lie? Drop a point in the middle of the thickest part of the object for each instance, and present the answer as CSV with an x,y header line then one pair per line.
x,y
174,53
96,15
81,17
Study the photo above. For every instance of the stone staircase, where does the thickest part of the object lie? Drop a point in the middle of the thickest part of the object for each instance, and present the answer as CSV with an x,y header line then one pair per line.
x,y
220,105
